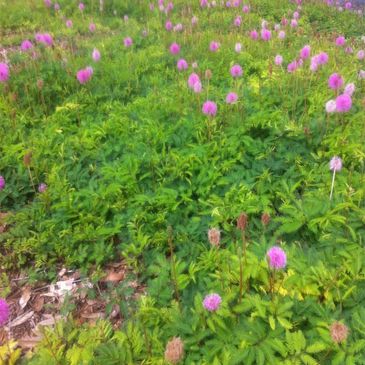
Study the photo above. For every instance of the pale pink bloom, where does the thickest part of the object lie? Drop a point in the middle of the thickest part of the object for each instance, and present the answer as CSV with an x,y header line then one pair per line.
x,y
237,21
277,27
231,98
182,65
127,42
210,108
265,34
278,60
194,20
330,106
361,55
343,103
305,52
214,46
168,25
336,164
96,55
293,23
69,23
92,27
264,24
81,6
236,71
349,89
194,65
238,47
47,3
198,87
246,9
281,34
253,34
193,79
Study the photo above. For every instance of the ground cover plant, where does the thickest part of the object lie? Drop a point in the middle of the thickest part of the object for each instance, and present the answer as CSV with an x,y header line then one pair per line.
x,y
182,182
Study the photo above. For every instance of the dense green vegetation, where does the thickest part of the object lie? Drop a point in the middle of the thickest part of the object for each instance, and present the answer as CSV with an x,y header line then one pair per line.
x,y
135,171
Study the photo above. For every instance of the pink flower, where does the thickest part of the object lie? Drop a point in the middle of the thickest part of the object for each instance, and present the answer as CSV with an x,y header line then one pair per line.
x,y
203,3
281,34
264,24
293,23
44,38
26,45
174,49
214,236
168,25
277,27
237,21
349,89
127,42
214,46
296,15
212,302
276,257
265,34
343,103
340,41
253,34
236,71
194,20
81,6
193,78
305,52
322,58
4,312
84,75
178,27
292,66
57,7
284,22
349,50
210,108
198,87
278,60
231,98
361,55
330,106
336,164
96,55
348,5
238,47
42,187
182,64
92,27
246,9
69,23
335,81
2,183
47,3
194,65
4,72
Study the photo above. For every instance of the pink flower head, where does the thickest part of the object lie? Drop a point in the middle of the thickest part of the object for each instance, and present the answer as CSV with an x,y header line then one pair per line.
x,y
193,78
57,7
277,27
174,49
348,5
335,81
292,66
47,3
182,64
81,6
343,103
92,27
214,46
69,23
264,24
4,312
336,164
2,183
198,87
4,72
212,302
340,41
26,45
322,58
349,89
296,15
178,27
293,23
96,55
278,60
231,98
42,187
236,71
44,38
238,47
361,55
284,22
168,25
305,52
210,108
203,3
265,34
276,257
84,75
237,21
349,50
314,63
331,106
194,20
214,236
246,9
254,35
127,42
281,34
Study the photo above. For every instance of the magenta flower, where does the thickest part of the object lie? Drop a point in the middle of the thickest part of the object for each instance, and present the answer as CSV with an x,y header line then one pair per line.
x,y
265,34
92,27
174,49
281,34
26,45
335,164
293,23
340,41
236,71
44,38
47,3
168,25
81,6
4,312
210,108
212,302
198,87
361,55
278,60
96,55
182,64
292,66
231,98
322,58
57,7
2,183
127,42
335,81
42,187
203,3
254,35
84,75
69,23
4,72
296,15
305,52
237,21
343,103
214,46
193,79
276,257
246,9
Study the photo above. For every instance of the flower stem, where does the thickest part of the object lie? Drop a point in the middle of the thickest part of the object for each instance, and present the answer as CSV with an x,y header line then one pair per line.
x,y
333,183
